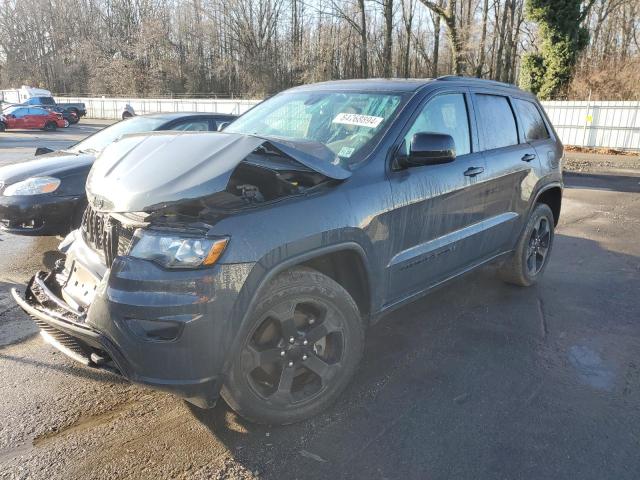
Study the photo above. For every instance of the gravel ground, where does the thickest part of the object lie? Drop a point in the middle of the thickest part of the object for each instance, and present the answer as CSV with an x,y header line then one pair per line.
x,y
478,380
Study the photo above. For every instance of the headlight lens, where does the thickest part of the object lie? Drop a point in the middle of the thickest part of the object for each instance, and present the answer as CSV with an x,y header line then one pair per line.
x,y
175,251
33,186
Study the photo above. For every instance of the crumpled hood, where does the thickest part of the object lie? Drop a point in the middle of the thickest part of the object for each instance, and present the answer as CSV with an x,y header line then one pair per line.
x,y
146,172
56,164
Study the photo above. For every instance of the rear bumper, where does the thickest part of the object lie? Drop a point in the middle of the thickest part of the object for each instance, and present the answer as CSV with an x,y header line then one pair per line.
x,y
39,214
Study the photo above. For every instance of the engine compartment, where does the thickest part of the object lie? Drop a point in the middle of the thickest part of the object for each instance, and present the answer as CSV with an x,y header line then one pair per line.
x,y
263,177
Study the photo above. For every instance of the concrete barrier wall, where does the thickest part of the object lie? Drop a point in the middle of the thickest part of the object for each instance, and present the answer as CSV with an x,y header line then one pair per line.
x,y
582,123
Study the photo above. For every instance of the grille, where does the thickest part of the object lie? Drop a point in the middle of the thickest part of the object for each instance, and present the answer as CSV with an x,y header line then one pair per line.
x,y
105,234
65,340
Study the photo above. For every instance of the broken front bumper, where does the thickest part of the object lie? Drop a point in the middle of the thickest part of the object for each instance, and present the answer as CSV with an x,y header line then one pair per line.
x,y
169,330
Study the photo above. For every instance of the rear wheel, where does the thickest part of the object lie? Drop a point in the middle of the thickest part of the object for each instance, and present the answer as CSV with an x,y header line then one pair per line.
x,y
75,115
50,126
3,127
531,255
303,345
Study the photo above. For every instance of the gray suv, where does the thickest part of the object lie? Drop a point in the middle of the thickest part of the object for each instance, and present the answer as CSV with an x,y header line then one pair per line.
x,y
249,263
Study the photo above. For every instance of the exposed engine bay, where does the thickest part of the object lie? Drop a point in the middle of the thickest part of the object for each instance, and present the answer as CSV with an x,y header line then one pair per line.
x,y
265,176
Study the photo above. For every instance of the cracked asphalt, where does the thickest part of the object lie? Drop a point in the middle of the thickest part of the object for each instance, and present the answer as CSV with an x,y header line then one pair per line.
x,y
477,380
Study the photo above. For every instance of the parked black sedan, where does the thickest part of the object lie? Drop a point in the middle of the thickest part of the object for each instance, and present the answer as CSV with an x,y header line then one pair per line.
x,y
46,196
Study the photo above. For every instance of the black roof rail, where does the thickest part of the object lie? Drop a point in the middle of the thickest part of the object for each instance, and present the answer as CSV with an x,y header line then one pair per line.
x,y
448,78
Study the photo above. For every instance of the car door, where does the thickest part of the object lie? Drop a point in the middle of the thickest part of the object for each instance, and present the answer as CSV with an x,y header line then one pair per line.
x,y
35,118
19,117
509,161
537,134
436,206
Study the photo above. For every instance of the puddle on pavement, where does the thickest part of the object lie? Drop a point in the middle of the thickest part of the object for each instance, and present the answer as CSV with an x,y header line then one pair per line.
x,y
591,369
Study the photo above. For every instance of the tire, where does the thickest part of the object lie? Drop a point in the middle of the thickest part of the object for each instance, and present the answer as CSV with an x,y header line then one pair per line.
x,y
126,115
76,115
531,256
303,323
50,126
3,127
66,123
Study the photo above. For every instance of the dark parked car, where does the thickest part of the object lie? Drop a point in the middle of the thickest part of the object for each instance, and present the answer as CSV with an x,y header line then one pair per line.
x,y
69,116
76,110
46,196
251,262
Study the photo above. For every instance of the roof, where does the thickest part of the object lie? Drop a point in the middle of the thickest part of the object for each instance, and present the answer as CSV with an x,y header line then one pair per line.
x,y
177,115
400,84
382,84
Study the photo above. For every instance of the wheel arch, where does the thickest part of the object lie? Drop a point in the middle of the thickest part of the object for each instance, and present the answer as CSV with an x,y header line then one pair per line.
x,y
322,259
551,195
345,263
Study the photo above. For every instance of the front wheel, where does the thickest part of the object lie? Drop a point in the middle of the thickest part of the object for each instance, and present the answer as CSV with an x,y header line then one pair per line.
x,y
304,342
530,258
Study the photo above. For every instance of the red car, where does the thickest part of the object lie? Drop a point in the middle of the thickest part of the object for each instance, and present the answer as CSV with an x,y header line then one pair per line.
x,y
31,117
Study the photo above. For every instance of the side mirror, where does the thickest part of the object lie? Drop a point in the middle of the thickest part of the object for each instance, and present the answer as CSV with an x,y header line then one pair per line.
x,y
42,150
429,149
223,125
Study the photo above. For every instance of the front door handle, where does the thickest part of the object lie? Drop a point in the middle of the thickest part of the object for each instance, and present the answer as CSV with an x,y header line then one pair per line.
x,y
473,171
527,157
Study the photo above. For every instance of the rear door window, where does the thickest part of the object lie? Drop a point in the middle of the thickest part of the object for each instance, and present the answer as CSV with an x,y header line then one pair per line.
x,y
200,125
532,123
496,122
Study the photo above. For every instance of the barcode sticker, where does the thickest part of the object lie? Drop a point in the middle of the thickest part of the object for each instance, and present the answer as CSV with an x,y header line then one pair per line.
x,y
358,120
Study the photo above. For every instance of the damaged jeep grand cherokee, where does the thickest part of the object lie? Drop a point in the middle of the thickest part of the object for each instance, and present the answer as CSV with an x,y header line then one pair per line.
x,y
249,263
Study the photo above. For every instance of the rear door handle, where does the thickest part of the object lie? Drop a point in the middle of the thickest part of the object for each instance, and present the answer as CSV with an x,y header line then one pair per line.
x,y
473,171
527,157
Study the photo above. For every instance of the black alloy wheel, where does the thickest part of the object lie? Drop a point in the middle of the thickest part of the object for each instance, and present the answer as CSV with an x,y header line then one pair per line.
x,y
528,261
539,243
295,352
304,344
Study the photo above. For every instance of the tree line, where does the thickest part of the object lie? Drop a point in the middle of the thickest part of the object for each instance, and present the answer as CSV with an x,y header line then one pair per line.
x,y
556,48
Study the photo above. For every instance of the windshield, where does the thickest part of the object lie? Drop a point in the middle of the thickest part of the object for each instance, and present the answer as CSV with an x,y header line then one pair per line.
x,y
98,141
343,121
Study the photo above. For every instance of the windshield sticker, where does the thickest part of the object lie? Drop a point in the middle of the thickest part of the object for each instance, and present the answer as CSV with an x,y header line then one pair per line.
x,y
358,120
346,152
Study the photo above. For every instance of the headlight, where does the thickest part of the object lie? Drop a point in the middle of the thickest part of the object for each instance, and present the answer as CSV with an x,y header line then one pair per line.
x,y
33,186
176,251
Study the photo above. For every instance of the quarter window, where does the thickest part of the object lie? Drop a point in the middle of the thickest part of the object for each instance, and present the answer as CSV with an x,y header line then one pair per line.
x,y
496,121
532,122
445,114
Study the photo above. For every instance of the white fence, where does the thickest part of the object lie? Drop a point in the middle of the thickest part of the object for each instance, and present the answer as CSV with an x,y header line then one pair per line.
x,y
112,108
582,123
596,124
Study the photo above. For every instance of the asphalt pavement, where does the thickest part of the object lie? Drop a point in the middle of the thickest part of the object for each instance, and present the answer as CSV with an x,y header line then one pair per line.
x,y
479,380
